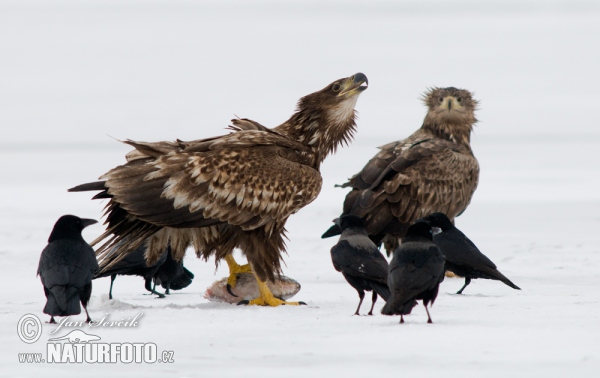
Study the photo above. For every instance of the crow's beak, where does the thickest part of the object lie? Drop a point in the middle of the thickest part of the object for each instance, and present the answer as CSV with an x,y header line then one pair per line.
x,y
88,222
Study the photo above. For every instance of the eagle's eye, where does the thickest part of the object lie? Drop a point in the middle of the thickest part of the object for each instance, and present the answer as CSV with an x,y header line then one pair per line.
x,y
441,99
459,100
336,87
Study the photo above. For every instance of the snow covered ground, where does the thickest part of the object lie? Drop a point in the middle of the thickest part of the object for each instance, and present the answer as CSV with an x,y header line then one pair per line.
x,y
73,74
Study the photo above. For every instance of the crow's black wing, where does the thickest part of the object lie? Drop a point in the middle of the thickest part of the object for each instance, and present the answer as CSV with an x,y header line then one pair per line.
x,y
359,262
460,250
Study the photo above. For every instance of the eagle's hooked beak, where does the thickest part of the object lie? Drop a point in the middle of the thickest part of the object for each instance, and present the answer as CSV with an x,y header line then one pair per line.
x,y
355,84
451,102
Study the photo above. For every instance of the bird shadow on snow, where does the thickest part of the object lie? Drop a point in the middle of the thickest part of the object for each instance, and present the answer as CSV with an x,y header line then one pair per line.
x,y
412,320
454,295
103,303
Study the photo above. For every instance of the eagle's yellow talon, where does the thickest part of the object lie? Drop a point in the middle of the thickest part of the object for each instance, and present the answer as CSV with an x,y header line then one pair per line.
x,y
273,302
267,298
234,269
266,302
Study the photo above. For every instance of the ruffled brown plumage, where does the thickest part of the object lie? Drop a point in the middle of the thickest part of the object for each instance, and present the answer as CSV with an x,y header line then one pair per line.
x,y
432,170
235,190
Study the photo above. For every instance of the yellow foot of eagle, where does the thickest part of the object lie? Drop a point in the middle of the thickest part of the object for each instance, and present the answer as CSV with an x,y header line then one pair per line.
x,y
234,269
267,298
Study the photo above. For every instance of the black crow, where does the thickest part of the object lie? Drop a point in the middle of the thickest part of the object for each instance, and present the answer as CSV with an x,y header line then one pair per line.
x,y
359,260
134,264
172,275
416,271
67,266
463,258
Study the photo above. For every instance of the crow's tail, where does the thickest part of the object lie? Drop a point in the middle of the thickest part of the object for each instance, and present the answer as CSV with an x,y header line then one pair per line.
x,y
393,308
62,301
382,290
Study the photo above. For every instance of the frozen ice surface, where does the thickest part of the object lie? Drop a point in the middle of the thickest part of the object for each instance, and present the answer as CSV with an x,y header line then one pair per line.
x,y
76,73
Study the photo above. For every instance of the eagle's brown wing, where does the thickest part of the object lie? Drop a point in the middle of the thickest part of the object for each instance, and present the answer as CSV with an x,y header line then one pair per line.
x,y
406,181
147,149
373,169
248,179
247,124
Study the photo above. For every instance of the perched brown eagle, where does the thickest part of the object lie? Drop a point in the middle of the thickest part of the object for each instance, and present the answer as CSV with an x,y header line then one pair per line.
x,y
235,190
433,170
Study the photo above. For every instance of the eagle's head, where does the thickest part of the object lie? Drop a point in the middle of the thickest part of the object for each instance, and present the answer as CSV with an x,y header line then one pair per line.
x,y
326,119
451,112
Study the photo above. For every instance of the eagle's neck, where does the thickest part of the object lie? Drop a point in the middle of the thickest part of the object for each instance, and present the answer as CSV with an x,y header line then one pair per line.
x,y
455,130
322,130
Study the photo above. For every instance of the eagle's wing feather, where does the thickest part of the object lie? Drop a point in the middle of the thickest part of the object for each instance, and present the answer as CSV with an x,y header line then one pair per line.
x,y
425,176
373,169
248,178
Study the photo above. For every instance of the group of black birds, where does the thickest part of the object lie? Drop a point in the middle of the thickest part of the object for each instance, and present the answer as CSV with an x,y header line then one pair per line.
x,y
431,246
68,265
238,190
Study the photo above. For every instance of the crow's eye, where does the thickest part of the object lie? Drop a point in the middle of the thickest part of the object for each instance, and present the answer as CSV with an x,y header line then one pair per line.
x,y
336,87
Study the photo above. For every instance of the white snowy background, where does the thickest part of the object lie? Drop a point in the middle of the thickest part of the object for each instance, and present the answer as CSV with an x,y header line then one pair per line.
x,y
76,74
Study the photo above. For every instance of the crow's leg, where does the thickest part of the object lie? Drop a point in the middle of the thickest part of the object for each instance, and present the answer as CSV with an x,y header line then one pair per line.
x,y
88,319
467,282
428,316
149,288
112,280
361,295
374,299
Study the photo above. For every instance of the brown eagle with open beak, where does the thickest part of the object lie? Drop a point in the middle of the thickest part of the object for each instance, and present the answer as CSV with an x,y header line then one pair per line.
x,y
433,170
231,191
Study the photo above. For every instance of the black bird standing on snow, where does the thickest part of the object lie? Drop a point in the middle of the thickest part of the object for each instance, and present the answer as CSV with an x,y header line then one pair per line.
x,y
166,271
67,266
463,258
172,275
359,260
415,272
134,264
